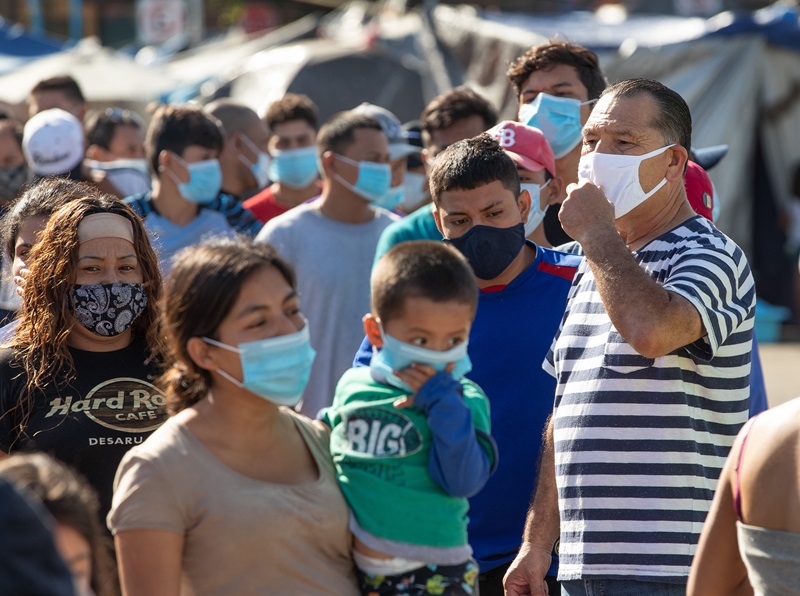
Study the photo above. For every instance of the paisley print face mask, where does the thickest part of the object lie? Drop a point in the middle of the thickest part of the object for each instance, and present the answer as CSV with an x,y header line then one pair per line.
x,y
108,309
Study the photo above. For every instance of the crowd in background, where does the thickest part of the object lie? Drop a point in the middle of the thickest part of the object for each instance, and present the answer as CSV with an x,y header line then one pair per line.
x,y
270,354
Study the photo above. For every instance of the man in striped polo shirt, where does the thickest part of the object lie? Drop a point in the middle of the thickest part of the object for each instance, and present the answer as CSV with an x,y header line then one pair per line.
x,y
652,362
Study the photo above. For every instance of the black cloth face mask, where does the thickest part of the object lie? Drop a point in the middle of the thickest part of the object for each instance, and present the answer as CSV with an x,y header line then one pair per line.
x,y
490,250
108,309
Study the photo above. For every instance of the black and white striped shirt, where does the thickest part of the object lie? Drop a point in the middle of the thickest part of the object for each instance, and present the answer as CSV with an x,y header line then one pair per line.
x,y
640,442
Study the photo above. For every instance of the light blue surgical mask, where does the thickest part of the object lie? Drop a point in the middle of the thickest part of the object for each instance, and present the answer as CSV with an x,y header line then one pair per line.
x,y
373,179
559,119
259,169
296,168
276,369
396,355
536,213
392,198
205,181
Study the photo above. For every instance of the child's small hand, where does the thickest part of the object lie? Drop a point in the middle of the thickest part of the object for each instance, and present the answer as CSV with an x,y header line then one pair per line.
x,y
415,376
19,280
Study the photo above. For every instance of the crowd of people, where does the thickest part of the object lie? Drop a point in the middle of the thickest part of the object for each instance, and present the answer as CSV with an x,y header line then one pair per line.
x,y
251,354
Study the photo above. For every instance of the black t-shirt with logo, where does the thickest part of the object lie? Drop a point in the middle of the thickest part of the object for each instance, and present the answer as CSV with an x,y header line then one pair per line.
x,y
90,422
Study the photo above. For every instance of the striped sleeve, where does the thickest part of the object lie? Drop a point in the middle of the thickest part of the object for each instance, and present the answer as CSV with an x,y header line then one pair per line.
x,y
717,281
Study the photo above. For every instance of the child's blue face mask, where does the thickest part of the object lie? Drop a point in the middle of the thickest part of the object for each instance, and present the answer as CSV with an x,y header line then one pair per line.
x,y
559,119
396,355
276,369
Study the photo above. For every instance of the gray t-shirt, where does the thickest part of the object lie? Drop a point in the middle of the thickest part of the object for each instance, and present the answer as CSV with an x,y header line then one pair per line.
x,y
772,558
333,261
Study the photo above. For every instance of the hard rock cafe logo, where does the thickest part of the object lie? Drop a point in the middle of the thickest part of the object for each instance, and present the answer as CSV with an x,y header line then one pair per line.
x,y
122,404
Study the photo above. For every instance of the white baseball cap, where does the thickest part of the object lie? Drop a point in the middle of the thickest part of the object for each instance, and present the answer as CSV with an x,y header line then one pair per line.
x,y
52,142
398,138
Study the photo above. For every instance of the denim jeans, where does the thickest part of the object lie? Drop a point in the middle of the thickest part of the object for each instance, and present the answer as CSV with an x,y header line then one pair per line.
x,y
620,587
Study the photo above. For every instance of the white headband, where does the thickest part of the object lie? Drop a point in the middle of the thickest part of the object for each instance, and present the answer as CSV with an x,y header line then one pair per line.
x,y
104,225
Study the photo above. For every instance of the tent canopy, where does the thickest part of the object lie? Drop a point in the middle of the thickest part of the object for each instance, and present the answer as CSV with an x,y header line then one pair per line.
x,y
337,77
104,75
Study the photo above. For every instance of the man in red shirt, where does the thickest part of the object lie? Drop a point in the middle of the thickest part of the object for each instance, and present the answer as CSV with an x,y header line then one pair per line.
x,y
293,124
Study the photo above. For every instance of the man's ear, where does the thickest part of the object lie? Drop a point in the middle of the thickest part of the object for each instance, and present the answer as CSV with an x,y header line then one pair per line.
x,y
524,202
326,161
553,190
98,153
372,330
677,163
437,218
164,160
201,354
425,156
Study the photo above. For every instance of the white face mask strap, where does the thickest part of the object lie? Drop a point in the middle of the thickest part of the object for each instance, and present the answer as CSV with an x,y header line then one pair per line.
x,y
174,177
653,153
225,375
252,146
221,372
656,188
219,344
345,183
346,159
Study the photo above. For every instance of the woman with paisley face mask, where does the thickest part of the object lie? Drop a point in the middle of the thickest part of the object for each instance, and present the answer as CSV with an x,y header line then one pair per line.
x,y
234,465
76,379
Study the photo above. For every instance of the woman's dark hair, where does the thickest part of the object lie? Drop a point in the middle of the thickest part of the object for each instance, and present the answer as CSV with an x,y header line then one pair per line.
x,y
71,502
203,287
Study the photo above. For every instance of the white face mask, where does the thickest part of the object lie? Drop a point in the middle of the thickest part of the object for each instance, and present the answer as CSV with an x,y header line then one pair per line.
x,y
619,177
129,176
415,191
536,213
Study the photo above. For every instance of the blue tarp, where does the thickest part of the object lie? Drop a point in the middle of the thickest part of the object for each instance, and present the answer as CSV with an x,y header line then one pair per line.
x,y
15,42
18,48
778,23
584,28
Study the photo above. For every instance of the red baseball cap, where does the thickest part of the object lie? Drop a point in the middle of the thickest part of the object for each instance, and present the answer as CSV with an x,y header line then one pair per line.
x,y
525,145
699,190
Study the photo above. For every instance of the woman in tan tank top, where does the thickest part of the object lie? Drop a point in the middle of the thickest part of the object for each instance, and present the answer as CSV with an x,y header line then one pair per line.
x,y
237,495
